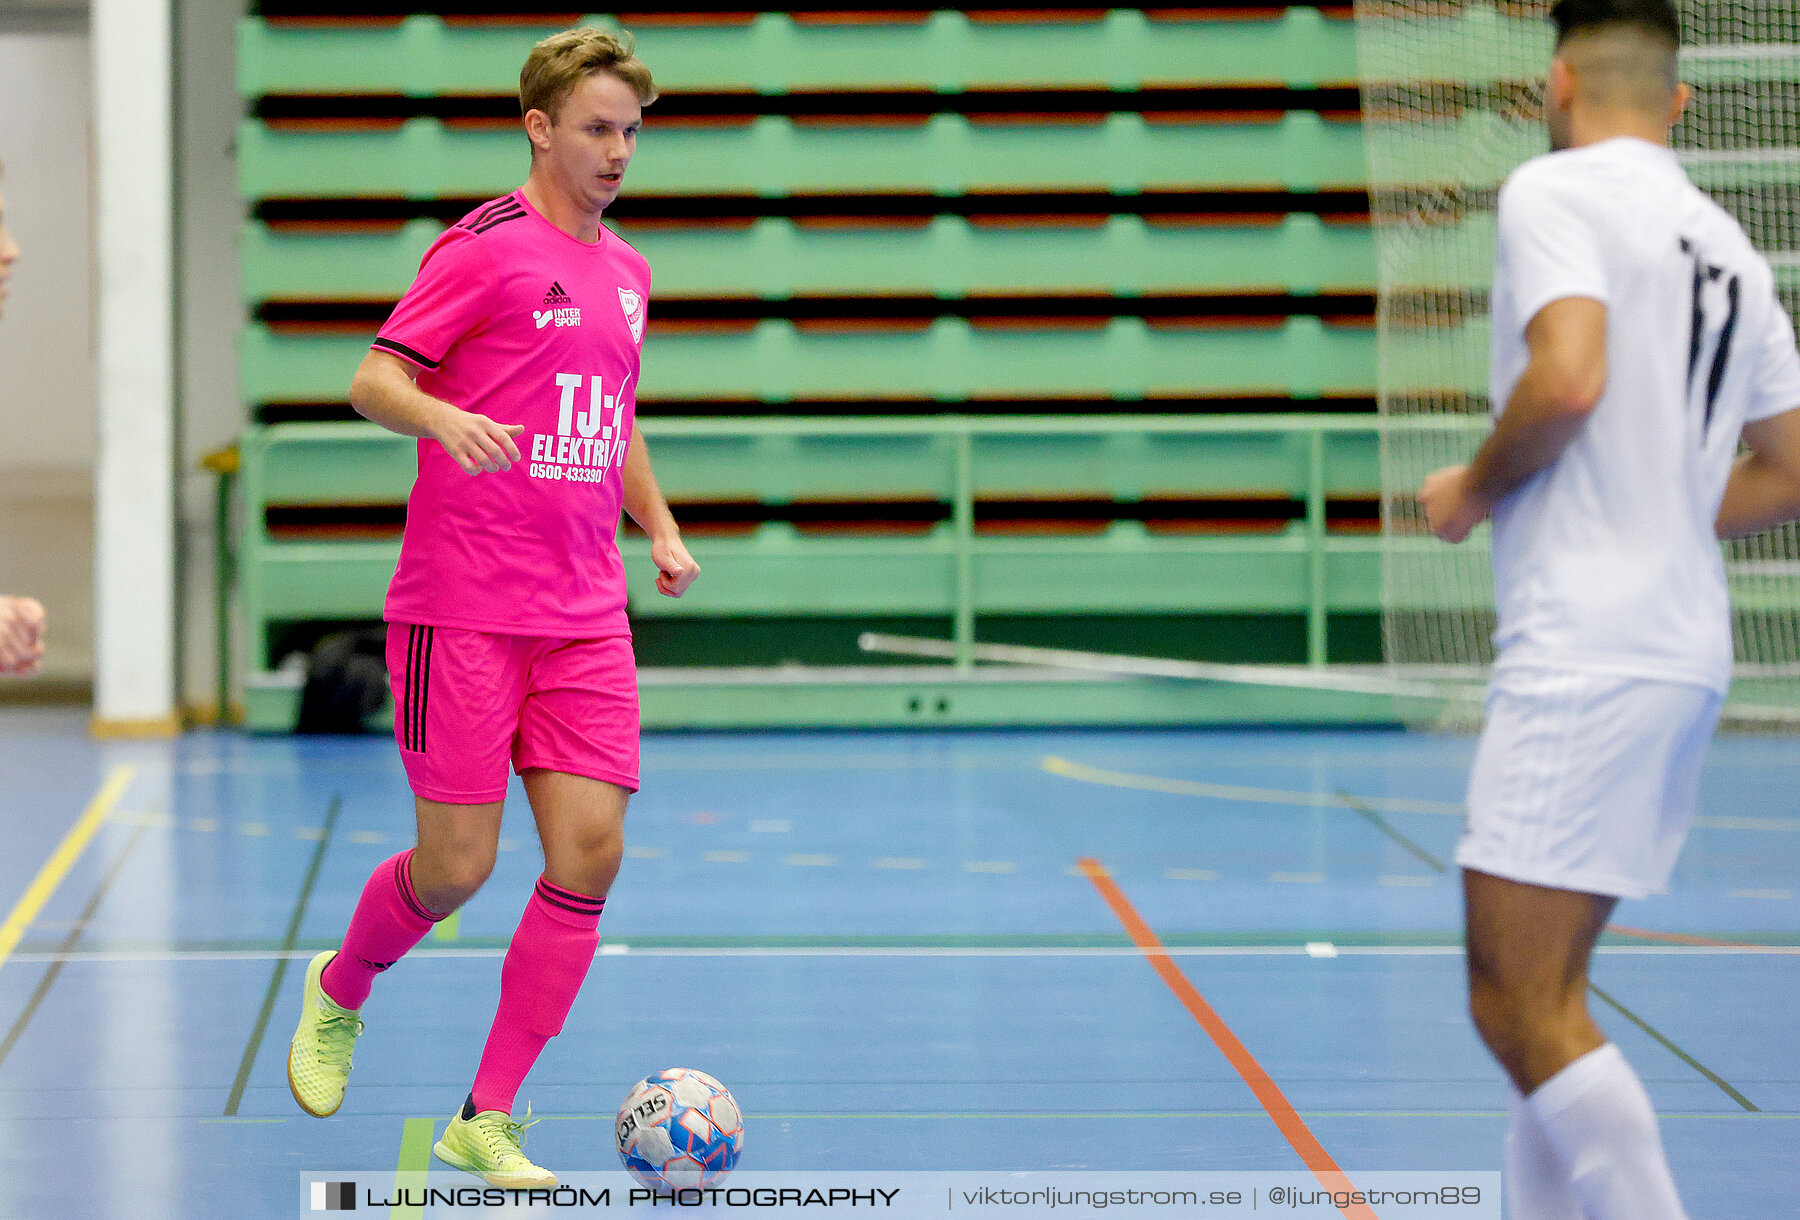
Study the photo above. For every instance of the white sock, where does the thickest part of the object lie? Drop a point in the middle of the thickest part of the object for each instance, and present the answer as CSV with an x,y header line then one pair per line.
x,y
1597,1117
1536,1185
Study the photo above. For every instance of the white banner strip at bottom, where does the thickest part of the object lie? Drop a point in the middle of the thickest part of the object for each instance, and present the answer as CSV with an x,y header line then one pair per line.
x,y
911,1195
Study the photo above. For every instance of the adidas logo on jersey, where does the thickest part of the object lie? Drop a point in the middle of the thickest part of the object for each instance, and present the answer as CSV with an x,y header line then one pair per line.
x,y
559,308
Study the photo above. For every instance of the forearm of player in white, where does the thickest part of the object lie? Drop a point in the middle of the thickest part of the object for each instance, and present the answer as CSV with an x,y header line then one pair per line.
x,y
644,501
1551,403
383,392
1764,488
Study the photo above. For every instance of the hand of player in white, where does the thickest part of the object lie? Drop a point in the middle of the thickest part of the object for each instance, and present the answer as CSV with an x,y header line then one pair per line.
x,y
1452,511
475,442
21,634
675,568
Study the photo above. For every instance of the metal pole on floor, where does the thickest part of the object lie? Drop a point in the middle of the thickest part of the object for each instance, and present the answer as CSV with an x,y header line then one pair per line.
x,y
134,493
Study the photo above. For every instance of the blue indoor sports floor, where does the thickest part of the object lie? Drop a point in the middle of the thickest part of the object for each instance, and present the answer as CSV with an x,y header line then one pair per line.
x,y
883,943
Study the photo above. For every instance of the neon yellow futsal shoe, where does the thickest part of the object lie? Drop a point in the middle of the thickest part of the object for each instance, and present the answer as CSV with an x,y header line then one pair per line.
x,y
319,1056
489,1145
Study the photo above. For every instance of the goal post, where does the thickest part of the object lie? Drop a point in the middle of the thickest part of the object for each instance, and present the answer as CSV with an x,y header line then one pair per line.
x,y
1452,103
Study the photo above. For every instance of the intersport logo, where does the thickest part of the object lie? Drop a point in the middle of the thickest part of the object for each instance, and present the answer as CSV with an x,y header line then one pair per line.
x,y
559,307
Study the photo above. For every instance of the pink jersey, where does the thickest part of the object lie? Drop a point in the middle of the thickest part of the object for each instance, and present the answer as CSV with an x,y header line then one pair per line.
x,y
515,319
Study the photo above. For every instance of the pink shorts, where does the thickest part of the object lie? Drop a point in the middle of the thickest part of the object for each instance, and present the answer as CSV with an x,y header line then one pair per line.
x,y
466,703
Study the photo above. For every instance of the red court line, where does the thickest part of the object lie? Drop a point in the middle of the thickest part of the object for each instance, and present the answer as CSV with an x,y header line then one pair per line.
x,y
1299,1135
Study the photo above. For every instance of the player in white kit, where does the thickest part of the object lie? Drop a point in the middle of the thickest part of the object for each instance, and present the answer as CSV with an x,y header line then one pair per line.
x,y
1636,337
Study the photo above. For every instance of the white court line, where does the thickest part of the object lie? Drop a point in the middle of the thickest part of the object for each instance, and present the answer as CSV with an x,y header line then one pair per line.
x,y
1105,1115
113,956
1083,773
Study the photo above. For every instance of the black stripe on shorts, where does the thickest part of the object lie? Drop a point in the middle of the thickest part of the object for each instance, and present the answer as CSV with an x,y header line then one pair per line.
x,y
417,688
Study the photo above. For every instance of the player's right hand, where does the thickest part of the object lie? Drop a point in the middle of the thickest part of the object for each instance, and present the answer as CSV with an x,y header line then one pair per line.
x,y
21,634
475,442
1452,510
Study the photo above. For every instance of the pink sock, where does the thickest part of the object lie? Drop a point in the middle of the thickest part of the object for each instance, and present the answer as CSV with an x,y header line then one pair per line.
x,y
389,920
545,964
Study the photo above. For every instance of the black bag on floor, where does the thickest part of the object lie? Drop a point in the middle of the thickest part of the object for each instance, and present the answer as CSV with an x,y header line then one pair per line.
x,y
346,681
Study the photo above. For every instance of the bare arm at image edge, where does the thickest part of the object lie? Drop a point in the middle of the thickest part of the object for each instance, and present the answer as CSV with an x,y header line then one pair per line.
x,y
21,634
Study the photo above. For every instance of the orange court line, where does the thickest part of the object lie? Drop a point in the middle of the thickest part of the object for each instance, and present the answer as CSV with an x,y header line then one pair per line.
x,y
1680,938
1298,1134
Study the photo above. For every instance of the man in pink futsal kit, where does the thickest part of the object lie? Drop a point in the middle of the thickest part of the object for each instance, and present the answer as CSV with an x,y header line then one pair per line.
x,y
514,358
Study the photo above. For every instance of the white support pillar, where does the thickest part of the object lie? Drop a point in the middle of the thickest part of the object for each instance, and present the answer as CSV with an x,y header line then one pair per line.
x,y
134,496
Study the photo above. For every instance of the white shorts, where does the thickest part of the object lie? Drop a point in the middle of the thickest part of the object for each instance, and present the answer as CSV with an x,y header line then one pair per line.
x,y
1586,782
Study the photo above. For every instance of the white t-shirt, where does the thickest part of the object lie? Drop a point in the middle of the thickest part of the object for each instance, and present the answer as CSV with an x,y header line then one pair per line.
x,y
1605,561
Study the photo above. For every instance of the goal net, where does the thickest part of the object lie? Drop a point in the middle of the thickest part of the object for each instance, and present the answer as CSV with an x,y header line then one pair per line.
x,y
1452,98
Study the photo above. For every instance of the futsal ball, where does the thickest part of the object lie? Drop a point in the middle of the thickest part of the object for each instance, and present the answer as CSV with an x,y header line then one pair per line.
x,y
679,1129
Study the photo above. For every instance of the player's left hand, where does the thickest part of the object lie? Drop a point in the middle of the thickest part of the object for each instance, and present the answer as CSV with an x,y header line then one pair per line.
x,y
675,568
1452,510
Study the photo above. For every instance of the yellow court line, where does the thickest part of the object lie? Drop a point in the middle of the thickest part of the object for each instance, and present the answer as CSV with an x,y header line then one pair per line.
x,y
415,1161
1233,792
62,859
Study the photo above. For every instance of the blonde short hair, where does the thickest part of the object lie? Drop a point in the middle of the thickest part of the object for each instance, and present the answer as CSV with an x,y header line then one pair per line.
x,y
562,61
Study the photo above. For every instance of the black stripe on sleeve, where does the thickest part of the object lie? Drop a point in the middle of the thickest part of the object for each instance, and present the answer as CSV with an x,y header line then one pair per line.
x,y
498,220
493,209
400,349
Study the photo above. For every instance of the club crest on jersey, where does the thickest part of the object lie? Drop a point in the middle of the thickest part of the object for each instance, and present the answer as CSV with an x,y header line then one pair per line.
x,y
633,305
559,308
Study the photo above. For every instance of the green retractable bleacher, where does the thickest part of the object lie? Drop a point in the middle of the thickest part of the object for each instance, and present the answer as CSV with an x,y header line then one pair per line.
x,y
1043,324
